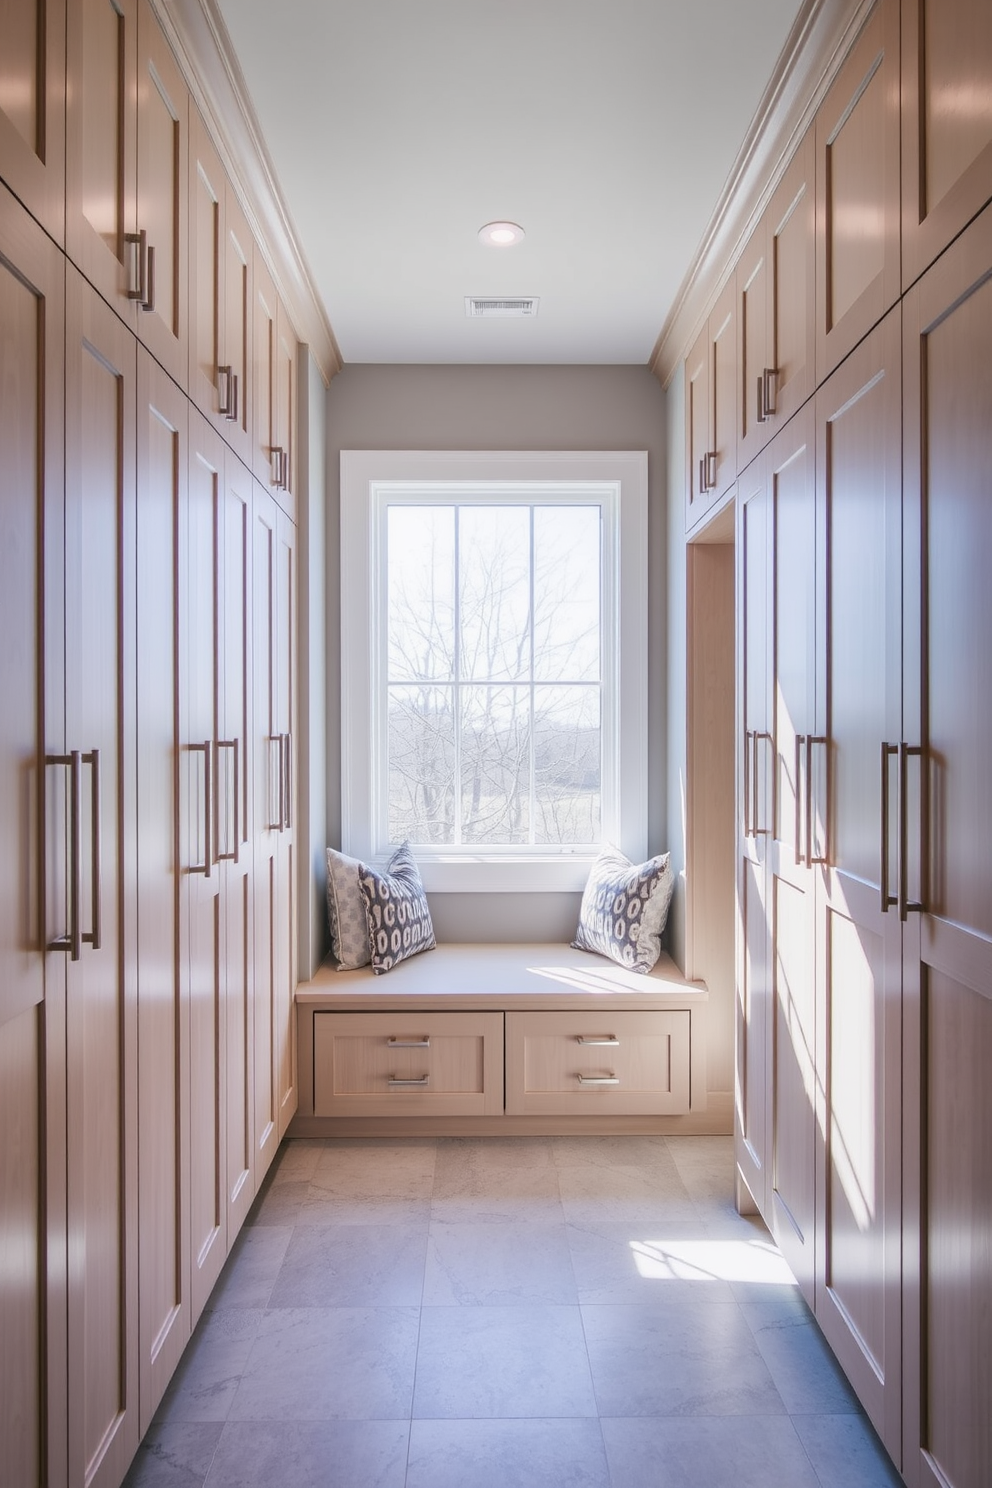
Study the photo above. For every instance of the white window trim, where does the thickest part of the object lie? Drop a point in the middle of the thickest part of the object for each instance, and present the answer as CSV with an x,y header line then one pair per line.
x,y
471,870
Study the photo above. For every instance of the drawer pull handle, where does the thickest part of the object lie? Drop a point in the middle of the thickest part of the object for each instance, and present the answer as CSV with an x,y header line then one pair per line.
x,y
397,1084
598,1079
395,1043
607,1041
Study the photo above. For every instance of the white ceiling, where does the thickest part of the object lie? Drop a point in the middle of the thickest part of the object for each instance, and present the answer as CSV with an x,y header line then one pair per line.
x,y
606,128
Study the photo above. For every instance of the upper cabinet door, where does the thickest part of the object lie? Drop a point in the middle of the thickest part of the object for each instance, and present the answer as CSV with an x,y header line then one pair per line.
x,y
101,234
946,124
209,379
32,107
857,191
163,146
790,221
265,332
285,396
236,311
711,410
753,353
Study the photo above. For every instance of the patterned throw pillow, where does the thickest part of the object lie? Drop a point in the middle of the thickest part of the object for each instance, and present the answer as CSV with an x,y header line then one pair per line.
x,y
624,909
346,912
396,911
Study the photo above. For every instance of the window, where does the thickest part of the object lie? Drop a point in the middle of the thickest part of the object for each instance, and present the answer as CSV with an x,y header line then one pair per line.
x,y
493,662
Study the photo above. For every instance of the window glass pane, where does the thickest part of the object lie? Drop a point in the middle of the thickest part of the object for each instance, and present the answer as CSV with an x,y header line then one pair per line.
x,y
567,765
566,593
494,574
421,747
495,744
421,590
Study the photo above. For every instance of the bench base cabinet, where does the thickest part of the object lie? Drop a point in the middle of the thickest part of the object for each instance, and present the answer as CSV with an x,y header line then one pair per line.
x,y
581,1064
406,1064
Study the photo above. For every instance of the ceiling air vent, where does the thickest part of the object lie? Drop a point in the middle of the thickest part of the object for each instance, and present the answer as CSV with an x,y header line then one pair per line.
x,y
491,309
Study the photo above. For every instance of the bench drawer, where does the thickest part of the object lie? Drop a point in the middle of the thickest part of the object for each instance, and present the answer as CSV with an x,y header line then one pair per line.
x,y
408,1064
591,1063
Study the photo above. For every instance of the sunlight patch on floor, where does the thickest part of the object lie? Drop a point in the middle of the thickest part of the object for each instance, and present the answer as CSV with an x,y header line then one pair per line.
x,y
711,1260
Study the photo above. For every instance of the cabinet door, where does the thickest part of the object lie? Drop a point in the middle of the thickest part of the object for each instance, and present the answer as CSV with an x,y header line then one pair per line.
x,y
102,1070
233,832
202,945
267,759
162,1013
753,1011
209,380
858,932
265,339
101,148
286,412
946,124
948,1008
857,191
284,947
32,908
790,221
32,108
697,427
753,351
237,312
794,844
162,190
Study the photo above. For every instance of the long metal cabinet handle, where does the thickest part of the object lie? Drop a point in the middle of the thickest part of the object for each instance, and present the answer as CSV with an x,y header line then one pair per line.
x,y
206,750
234,746
148,303
888,901
605,1042
756,829
96,860
395,1043
395,1083
906,905
710,458
224,400
598,1079
767,400
72,941
761,417
233,415
287,819
702,474
811,856
797,795
748,736
138,243
276,454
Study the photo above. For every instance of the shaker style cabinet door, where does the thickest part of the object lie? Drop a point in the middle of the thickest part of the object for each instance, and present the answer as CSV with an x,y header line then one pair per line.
x,y
944,884
711,386
946,124
32,855
32,108
857,191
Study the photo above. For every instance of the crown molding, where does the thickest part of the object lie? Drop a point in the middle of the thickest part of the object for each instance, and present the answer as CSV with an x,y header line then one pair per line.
x,y
817,44
199,38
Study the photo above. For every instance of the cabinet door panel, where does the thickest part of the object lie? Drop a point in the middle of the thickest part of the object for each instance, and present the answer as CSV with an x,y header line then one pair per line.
x,y
946,124
162,1013
753,355
265,316
203,963
101,997
791,218
857,190
284,949
32,911
237,313
101,141
267,764
207,190
163,148
32,107
697,426
285,413
947,331
858,416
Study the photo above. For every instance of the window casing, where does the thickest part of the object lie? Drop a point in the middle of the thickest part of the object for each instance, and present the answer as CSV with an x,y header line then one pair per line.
x,y
400,688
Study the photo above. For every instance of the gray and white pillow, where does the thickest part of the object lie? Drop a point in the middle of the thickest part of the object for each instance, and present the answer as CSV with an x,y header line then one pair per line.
x,y
346,912
396,911
624,909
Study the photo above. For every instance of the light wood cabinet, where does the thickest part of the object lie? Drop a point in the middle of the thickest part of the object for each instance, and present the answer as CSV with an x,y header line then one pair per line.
x,y
220,270
946,124
274,391
857,191
711,390
32,108
33,1273
408,1064
597,1063
942,881
775,319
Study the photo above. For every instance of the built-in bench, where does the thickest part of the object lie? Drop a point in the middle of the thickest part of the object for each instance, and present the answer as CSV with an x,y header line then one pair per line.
x,y
477,1039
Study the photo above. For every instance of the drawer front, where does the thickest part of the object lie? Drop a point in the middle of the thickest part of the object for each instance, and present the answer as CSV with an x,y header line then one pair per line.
x,y
584,1064
400,1064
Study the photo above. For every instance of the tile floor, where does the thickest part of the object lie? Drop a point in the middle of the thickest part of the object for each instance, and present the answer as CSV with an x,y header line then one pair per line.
x,y
580,1312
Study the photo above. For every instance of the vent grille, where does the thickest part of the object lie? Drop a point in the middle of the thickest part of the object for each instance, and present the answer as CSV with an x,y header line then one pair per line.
x,y
492,309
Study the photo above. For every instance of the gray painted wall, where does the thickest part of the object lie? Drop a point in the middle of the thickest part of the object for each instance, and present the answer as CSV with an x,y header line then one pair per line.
x,y
506,407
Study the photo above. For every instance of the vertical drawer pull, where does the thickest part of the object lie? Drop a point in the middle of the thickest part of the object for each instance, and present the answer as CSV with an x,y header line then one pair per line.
x,y
395,1083
603,1041
395,1043
598,1079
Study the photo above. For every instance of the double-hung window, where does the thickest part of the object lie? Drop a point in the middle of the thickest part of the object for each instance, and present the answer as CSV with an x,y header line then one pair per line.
x,y
493,662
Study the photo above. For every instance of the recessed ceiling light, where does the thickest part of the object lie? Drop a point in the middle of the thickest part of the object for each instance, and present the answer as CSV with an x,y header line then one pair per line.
x,y
501,234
